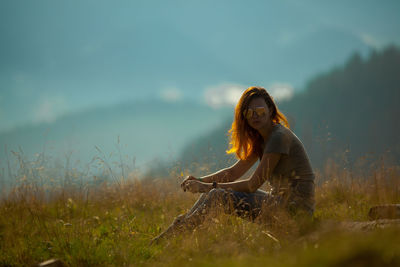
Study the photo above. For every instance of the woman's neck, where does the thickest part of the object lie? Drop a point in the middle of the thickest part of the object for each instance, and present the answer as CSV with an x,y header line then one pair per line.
x,y
266,131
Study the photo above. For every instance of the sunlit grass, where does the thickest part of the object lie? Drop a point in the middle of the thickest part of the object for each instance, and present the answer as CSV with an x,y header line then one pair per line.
x,y
100,222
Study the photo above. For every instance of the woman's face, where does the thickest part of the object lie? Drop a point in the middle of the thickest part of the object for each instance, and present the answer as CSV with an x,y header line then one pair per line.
x,y
257,114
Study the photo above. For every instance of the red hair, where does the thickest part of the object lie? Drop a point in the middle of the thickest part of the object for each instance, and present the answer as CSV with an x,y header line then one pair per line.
x,y
244,140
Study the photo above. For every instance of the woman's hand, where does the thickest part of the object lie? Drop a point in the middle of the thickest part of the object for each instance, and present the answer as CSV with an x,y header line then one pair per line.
x,y
195,186
188,178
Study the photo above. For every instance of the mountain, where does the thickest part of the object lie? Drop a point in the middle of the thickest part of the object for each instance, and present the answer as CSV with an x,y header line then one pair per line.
x,y
353,107
134,50
142,130
348,113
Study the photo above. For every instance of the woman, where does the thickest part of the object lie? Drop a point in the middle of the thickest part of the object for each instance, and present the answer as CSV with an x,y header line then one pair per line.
x,y
259,132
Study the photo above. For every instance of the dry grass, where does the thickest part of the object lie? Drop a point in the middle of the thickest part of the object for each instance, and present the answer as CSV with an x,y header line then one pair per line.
x,y
87,222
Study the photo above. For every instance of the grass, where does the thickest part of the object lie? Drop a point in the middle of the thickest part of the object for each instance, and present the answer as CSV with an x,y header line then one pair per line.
x,y
101,223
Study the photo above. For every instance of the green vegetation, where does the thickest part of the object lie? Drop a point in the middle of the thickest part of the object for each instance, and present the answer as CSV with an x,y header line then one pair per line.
x,y
111,223
109,219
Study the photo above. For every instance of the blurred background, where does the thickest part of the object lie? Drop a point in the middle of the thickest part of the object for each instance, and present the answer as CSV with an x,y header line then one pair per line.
x,y
153,84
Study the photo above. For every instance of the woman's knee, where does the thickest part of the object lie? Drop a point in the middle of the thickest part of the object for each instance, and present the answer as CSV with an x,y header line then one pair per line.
x,y
216,193
220,197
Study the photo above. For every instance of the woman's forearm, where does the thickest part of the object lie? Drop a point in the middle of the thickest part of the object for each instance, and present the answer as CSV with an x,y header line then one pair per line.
x,y
241,186
221,176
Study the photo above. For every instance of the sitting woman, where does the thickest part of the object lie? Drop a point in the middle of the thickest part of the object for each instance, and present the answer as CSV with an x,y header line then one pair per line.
x,y
259,132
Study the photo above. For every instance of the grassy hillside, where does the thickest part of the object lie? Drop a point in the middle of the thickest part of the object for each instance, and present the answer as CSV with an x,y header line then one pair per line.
x,y
110,224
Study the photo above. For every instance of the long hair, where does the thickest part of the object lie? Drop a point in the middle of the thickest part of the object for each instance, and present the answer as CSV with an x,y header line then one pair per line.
x,y
244,140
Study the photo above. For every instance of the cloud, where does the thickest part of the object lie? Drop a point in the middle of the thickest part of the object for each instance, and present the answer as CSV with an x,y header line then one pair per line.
x,y
370,40
171,94
225,94
49,108
281,91
228,94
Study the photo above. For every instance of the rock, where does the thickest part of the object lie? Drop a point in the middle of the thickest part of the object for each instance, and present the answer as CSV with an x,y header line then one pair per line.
x,y
389,211
52,263
371,225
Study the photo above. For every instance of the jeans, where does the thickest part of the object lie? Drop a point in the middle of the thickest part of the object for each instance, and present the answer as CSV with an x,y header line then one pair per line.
x,y
249,205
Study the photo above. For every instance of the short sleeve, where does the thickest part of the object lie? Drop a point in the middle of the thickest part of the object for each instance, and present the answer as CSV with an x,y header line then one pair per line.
x,y
278,142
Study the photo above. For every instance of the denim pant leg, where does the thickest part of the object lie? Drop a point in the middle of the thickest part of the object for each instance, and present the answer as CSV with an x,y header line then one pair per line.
x,y
247,205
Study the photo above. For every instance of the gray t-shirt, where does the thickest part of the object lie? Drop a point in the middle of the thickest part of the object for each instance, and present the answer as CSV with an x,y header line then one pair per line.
x,y
293,172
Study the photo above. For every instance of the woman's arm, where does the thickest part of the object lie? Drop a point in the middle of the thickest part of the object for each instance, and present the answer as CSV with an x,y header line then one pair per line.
x,y
250,185
232,173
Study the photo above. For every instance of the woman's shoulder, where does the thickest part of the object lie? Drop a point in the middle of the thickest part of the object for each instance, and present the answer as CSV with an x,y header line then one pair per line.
x,y
283,130
287,134
283,134
279,129
279,140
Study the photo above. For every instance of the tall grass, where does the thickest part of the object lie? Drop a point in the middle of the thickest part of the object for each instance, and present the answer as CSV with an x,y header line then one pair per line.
x,y
60,212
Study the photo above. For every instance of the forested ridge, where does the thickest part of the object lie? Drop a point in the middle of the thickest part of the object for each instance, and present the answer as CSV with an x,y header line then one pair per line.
x,y
350,111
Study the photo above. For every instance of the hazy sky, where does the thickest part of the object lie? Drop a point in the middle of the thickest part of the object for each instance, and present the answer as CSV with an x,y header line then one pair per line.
x,y
62,56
